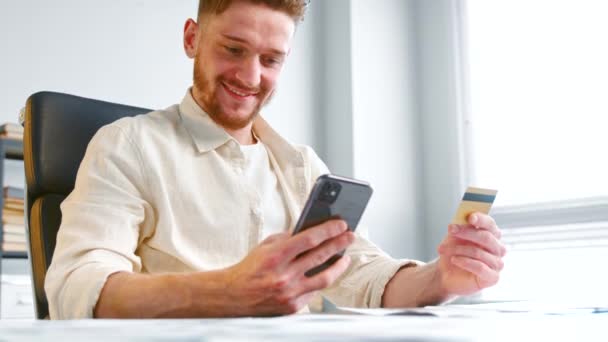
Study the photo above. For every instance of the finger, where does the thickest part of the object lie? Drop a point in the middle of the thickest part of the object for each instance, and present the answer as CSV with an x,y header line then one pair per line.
x,y
473,252
480,237
481,220
312,237
325,278
477,268
322,253
303,300
295,304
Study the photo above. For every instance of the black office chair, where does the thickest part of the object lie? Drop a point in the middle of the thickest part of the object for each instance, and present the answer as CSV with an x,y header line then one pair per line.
x,y
58,128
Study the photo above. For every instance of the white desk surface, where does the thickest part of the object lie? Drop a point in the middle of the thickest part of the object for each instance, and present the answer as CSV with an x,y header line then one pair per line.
x,y
319,327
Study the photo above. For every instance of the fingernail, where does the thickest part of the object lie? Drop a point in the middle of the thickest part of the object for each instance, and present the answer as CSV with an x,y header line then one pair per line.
x,y
350,236
473,219
454,228
344,226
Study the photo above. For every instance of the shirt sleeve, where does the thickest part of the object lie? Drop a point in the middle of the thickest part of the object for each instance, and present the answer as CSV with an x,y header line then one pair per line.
x,y
101,221
363,283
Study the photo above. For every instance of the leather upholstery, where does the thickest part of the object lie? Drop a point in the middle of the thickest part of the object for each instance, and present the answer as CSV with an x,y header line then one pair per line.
x,y
44,221
58,128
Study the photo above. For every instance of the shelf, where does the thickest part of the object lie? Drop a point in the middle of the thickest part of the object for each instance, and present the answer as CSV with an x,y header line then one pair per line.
x,y
13,149
14,255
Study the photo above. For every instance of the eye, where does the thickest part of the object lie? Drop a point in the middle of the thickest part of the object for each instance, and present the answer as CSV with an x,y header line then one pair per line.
x,y
272,61
235,51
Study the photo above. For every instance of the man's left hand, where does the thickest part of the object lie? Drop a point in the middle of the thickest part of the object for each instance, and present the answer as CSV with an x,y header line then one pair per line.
x,y
470,257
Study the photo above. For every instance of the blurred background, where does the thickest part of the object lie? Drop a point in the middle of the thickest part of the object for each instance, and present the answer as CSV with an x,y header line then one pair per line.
x,y
422,98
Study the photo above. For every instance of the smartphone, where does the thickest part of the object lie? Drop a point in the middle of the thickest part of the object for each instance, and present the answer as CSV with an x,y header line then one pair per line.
x,y
334,197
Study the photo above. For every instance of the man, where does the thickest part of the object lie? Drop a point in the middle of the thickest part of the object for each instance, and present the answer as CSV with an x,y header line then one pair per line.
x,y
186,212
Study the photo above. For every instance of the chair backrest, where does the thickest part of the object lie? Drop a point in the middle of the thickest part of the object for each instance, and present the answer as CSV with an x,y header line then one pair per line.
x,y
58,128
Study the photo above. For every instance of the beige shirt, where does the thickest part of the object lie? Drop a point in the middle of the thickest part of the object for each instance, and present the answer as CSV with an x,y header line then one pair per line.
x,y
165,192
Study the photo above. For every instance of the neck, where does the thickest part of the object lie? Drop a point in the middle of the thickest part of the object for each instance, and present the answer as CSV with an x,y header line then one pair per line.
x,y
243,135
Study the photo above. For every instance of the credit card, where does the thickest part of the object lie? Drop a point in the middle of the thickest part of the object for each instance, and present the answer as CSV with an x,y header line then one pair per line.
x,y
474,200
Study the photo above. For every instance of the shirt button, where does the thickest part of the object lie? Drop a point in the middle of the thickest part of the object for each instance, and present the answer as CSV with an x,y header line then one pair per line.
x,y
256,211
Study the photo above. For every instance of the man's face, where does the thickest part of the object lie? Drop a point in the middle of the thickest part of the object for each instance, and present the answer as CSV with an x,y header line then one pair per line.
x,y
238,60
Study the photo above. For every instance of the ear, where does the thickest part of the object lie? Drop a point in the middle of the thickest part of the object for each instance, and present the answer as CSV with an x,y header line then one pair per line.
x,y
190,38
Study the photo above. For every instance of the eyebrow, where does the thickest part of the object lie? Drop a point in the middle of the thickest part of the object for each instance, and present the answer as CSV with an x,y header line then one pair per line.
x,y
241,40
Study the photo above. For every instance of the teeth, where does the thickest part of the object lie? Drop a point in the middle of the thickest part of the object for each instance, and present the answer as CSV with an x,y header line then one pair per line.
x,y
236,91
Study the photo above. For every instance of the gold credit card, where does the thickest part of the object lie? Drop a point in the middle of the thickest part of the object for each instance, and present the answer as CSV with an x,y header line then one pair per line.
x,y
474,200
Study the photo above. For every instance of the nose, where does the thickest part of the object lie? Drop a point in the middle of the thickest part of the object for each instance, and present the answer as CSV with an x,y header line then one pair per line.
x,y
249,73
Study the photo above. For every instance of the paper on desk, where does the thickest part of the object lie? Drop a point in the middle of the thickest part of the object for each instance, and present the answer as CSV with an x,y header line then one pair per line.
x,y
16,279
431,311
382,312
331,308
525,307
472,310
469,311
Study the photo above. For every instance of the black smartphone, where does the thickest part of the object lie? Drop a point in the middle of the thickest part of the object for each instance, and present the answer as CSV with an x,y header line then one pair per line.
x,y
334,197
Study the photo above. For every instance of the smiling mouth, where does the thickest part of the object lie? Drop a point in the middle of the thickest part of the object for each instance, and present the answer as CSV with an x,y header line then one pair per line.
x,y
238,92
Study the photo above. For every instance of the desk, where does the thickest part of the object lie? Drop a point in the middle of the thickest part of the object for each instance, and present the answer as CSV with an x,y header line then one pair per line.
x,y
507,327
16,294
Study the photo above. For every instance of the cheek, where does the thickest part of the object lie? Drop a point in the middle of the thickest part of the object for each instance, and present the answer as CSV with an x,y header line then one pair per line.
x,y
224,70
219,67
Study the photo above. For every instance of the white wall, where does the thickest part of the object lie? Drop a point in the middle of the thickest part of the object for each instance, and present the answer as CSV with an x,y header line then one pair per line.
x,y
370,118
122,51
336,111
442,114
386,126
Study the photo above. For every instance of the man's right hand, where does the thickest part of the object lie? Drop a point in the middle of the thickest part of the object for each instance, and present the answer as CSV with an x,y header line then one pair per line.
x,y
271,281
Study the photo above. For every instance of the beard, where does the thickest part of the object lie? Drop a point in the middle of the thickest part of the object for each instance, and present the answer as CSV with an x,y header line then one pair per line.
x,y
208,89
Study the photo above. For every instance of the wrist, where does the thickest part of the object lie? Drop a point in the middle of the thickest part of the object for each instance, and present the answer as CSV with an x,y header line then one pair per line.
x,y
416,286
437,291
210,294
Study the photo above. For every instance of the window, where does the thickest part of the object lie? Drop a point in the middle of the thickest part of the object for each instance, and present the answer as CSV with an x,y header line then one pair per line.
x,y
538,77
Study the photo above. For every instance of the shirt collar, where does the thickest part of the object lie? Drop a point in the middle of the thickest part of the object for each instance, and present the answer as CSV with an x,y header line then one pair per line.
x,y
287,155
207,135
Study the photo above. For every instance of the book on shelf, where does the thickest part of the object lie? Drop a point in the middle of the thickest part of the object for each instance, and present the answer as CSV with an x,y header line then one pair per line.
x,y
10,205
11,130
14,193
14,198
14,237
11,228
14,247
13,207
13,220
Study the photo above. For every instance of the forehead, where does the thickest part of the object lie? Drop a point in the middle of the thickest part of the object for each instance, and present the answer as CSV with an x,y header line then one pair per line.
x,y
255,24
